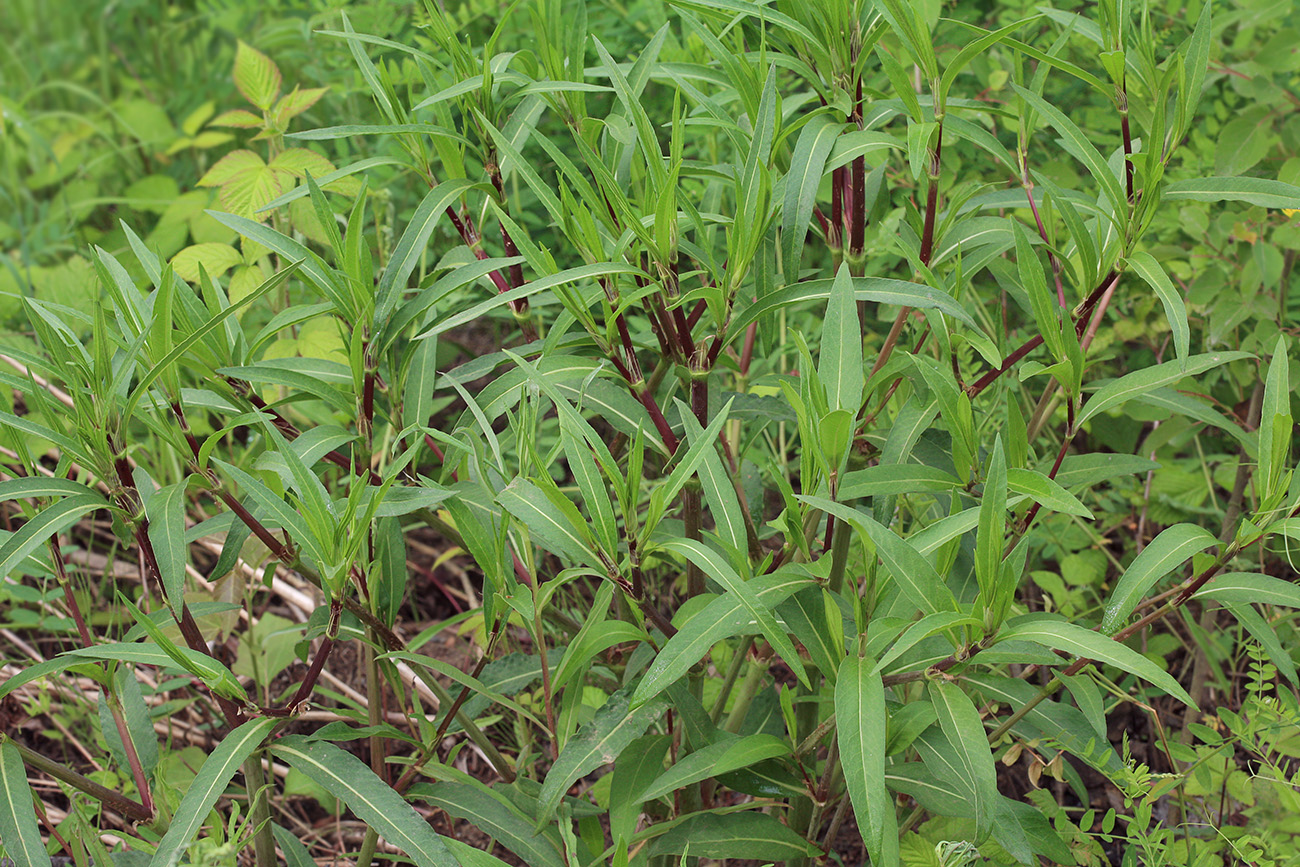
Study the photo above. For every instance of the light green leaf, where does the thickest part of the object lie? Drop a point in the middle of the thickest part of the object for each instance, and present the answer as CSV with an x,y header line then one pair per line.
x,y
166,511
1131,385
207,786
598,743
807,165
840,364
1045,492
48,522
917,579
346,777
1079,146
719,570
861,722
560,530
1253,191
1275,424
256,76
719,490
1165,553
881,290
889,479
1251,587
411,248
18,828
721,618
1146,267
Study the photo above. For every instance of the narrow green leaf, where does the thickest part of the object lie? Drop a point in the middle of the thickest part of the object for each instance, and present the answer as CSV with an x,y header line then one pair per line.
x,y
1251,587
495,816
346,777
882,290
700,448
885,479
917,579
1146,267
411,247
1079,146
166,511
749,834
1133,384
207,786
807,165
719,570
1086,644
48,522
18,828
1253,191
840,364
1165,553
991,535
721,618
30,487
961,723
572,275
635,770
598,743
560,530
1275,424
1045,492
861,721
719,490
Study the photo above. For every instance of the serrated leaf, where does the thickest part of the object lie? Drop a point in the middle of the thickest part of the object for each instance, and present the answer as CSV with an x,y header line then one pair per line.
x,y
256,76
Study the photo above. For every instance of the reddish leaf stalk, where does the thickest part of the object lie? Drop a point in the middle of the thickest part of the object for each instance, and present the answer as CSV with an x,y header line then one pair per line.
x,y
322,653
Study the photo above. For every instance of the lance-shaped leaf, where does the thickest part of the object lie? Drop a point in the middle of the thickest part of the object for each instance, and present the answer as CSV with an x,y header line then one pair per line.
x,y
1165,553
1045,492
1086,644
1275,425
991,534
807,165
166,511
840,364
207,786
347,778
917,579
961,724
719,490
411,247
1253,191
494,815
750,834
48,522
882,290
1251,587
720,618
18,829
861,721
599,742
716,568
1146,267
559,529
1133,384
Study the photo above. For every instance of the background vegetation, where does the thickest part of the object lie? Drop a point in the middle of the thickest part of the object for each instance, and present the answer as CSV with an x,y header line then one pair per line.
x,y
571,433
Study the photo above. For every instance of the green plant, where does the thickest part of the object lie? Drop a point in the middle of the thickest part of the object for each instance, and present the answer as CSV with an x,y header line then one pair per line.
x,y
796,441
